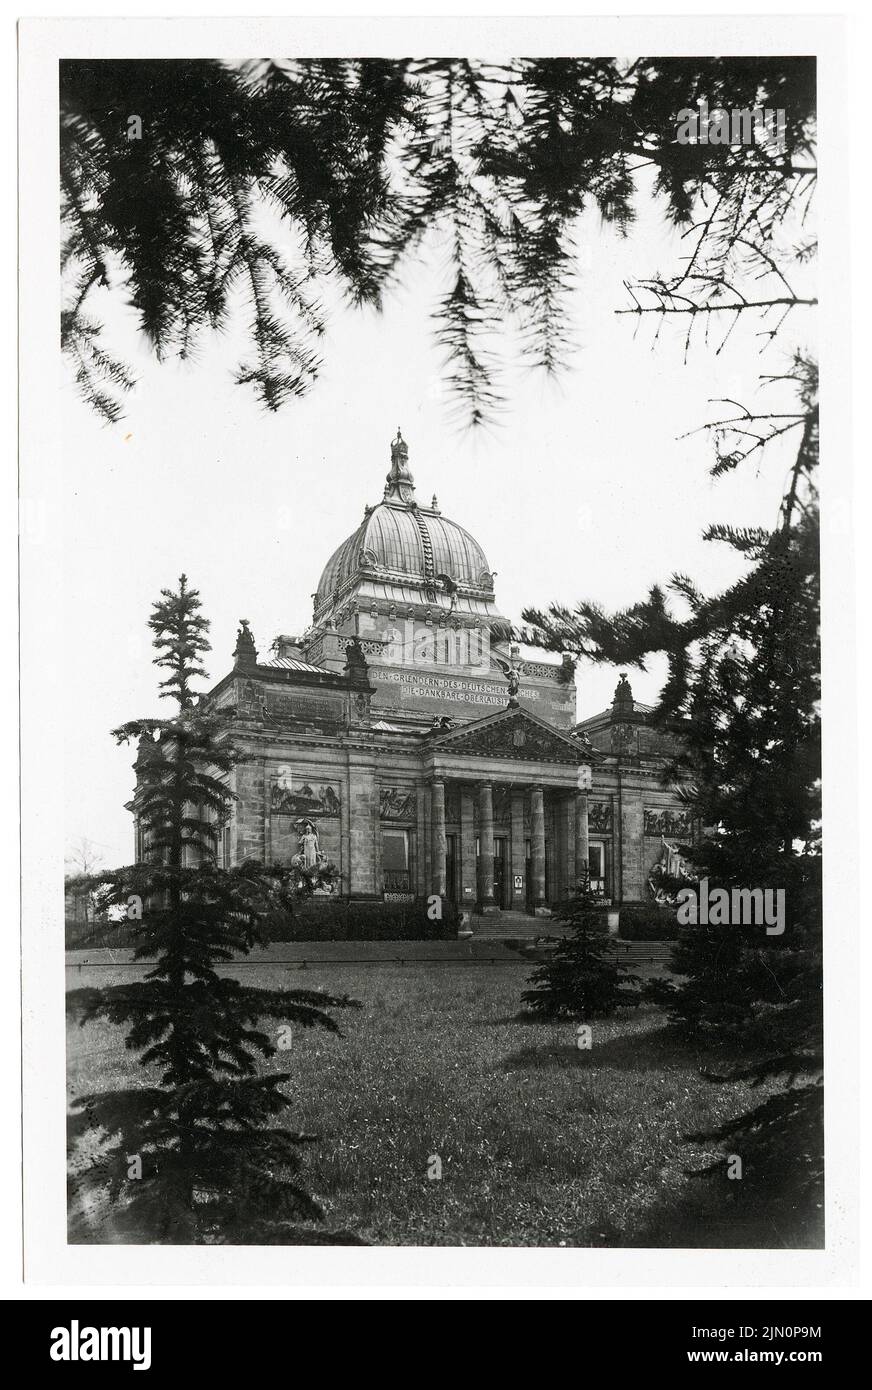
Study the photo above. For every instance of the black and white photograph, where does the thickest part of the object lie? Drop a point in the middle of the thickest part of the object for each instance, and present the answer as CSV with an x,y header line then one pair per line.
x,y
423,539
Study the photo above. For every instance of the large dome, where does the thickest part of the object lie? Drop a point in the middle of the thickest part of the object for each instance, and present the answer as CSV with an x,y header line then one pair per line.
x,y
406,553
415,543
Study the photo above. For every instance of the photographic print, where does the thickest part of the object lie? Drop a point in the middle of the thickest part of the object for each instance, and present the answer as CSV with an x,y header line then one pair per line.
x,y
437,594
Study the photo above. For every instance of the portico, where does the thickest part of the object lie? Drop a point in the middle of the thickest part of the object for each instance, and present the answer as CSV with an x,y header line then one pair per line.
x,y
521,790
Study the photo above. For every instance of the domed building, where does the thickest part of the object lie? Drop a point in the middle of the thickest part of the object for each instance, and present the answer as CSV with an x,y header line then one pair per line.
x,y
404,738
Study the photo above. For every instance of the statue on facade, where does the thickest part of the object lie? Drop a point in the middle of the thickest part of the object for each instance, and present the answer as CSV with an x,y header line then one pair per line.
x,y
513,674
623,690
309,849
451,588
245,652
669,873
579,736
315,872
355,661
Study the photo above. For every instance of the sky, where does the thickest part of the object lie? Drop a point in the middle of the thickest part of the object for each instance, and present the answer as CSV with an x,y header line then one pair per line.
x,y
584,489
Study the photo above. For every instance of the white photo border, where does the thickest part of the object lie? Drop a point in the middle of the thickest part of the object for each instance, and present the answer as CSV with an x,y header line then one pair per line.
x,y
49,1260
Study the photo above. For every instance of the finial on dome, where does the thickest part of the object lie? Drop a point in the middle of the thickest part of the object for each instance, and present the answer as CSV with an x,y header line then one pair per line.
x,y
399,448
400,483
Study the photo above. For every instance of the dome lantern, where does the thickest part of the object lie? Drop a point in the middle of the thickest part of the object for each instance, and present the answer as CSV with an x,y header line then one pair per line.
x,y
400,485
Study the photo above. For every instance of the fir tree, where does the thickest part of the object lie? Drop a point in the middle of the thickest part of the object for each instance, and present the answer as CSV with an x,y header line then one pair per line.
x,y
581,978
279,180
744,676
751,762
199,1152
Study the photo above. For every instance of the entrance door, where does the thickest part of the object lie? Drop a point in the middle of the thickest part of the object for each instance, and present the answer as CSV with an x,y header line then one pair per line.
x,y
500,876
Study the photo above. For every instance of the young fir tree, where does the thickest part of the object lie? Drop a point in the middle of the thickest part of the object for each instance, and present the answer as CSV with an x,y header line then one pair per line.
x,y
201,1151
582,978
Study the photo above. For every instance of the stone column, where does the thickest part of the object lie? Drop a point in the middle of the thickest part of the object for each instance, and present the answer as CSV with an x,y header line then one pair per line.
x,y
438,843
567,811
581,834
632,841
486,849
537,846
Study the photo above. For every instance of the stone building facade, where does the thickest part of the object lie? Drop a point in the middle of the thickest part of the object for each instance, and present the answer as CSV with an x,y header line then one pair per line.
x,y
416,750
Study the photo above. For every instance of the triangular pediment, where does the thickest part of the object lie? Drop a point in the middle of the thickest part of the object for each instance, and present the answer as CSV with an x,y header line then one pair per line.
x,y
514,734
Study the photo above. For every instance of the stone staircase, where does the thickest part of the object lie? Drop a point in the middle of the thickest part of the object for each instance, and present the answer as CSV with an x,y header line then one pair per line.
x,y
514,925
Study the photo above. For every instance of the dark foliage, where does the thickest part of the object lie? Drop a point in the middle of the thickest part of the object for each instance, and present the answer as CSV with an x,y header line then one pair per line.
x,y
331,920
218,1161
270,180
312,919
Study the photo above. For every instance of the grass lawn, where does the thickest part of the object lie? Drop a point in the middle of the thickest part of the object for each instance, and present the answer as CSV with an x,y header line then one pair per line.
x,y
540,1143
